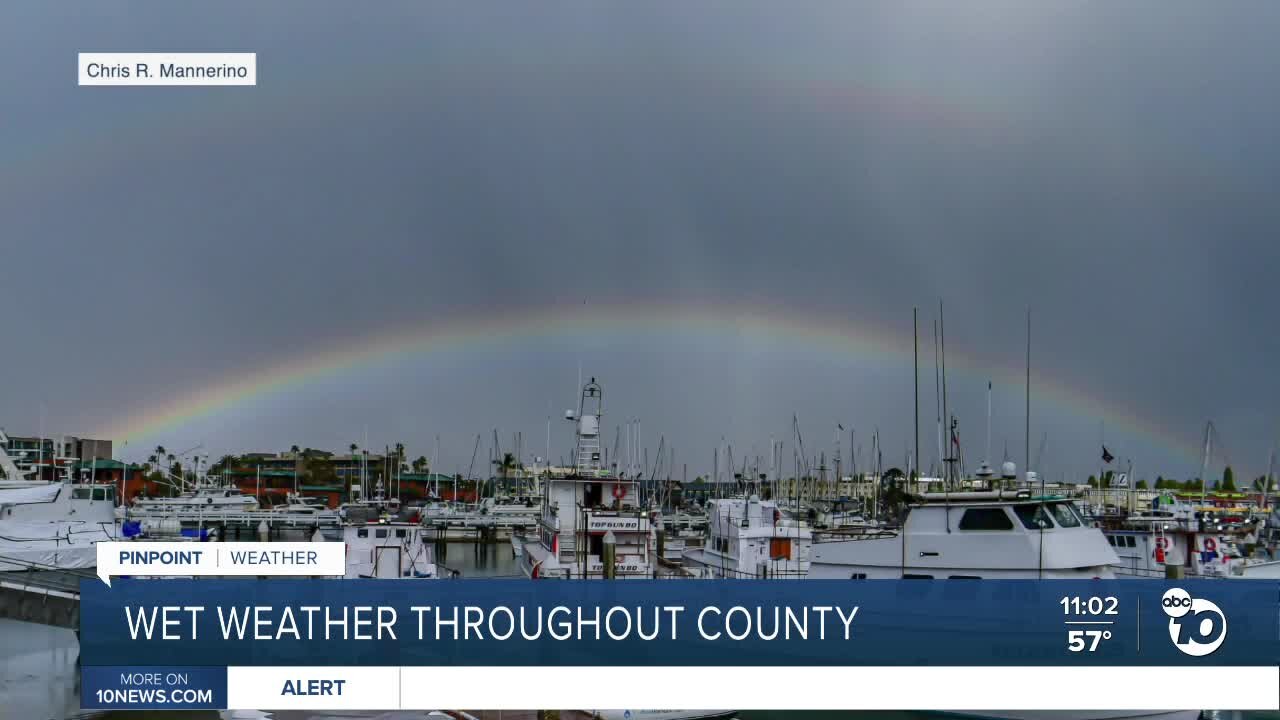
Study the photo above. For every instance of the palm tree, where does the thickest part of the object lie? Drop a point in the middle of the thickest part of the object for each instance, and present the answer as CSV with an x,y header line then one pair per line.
x,y
295,449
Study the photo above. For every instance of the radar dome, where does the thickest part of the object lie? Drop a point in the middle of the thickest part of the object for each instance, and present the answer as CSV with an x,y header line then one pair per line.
x,y
1009,471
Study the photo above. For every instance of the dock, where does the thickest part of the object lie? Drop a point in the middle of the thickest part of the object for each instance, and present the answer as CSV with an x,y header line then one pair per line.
x,y
43,595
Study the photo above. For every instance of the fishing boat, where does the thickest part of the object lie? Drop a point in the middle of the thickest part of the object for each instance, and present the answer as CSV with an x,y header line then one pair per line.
x,y
589,511
389,551
994,534
750,538
53,525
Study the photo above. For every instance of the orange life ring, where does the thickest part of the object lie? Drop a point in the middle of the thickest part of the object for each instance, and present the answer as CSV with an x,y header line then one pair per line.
x,y
1162,542
619,491
1210,544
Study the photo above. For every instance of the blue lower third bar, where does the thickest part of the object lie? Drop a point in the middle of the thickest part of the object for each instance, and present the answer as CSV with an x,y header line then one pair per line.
x,y
153,688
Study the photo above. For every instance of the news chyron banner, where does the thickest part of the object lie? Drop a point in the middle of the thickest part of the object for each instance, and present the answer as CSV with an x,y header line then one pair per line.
x,y
284,643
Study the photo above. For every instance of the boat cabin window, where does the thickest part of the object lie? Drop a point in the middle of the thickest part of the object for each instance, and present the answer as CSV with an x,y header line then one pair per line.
x,y
858,576
400,532
1065,515
1111,539
964,577
985,519
591,495
362,532
82,494
100,493
910,576
380,533
1033,517
1128,541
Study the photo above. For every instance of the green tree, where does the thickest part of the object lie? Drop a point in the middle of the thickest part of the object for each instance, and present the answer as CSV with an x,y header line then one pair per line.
x,y
506,465
1159,482
224,464
1228,480
1093,481
1142,485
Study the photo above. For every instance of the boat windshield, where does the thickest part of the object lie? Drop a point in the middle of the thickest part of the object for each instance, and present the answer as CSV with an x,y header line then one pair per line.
x,y
1033,517
1065,514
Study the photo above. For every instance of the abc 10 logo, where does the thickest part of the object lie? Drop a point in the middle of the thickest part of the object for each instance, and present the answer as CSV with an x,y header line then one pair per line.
x,y
1197,626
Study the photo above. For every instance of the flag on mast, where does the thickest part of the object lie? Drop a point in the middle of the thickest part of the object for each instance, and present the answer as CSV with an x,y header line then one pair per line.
x,y
1107,457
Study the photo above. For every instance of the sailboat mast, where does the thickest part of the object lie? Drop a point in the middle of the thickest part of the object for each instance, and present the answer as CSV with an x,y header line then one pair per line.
x,y
1208,451
915,381
1027,420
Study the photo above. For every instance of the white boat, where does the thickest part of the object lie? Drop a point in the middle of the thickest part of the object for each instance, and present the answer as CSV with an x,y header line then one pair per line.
x,y
750,538
389,551
204,498
53,525
998,534
301,507
586,508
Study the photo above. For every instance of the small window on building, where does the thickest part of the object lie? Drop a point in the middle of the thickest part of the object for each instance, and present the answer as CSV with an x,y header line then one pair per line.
x,y
985,519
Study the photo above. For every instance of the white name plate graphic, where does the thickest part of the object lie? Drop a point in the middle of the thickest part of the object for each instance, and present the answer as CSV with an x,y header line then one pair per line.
x,y
192,559
168,69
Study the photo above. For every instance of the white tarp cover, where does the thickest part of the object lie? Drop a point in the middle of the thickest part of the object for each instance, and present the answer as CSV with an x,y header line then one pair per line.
x,y
38,493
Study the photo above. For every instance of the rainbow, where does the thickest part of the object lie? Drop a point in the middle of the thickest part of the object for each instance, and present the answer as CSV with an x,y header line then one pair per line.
x,y
768,324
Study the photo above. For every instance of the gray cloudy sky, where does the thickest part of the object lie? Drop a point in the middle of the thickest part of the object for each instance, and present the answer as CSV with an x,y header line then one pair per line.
x,y
1114,166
